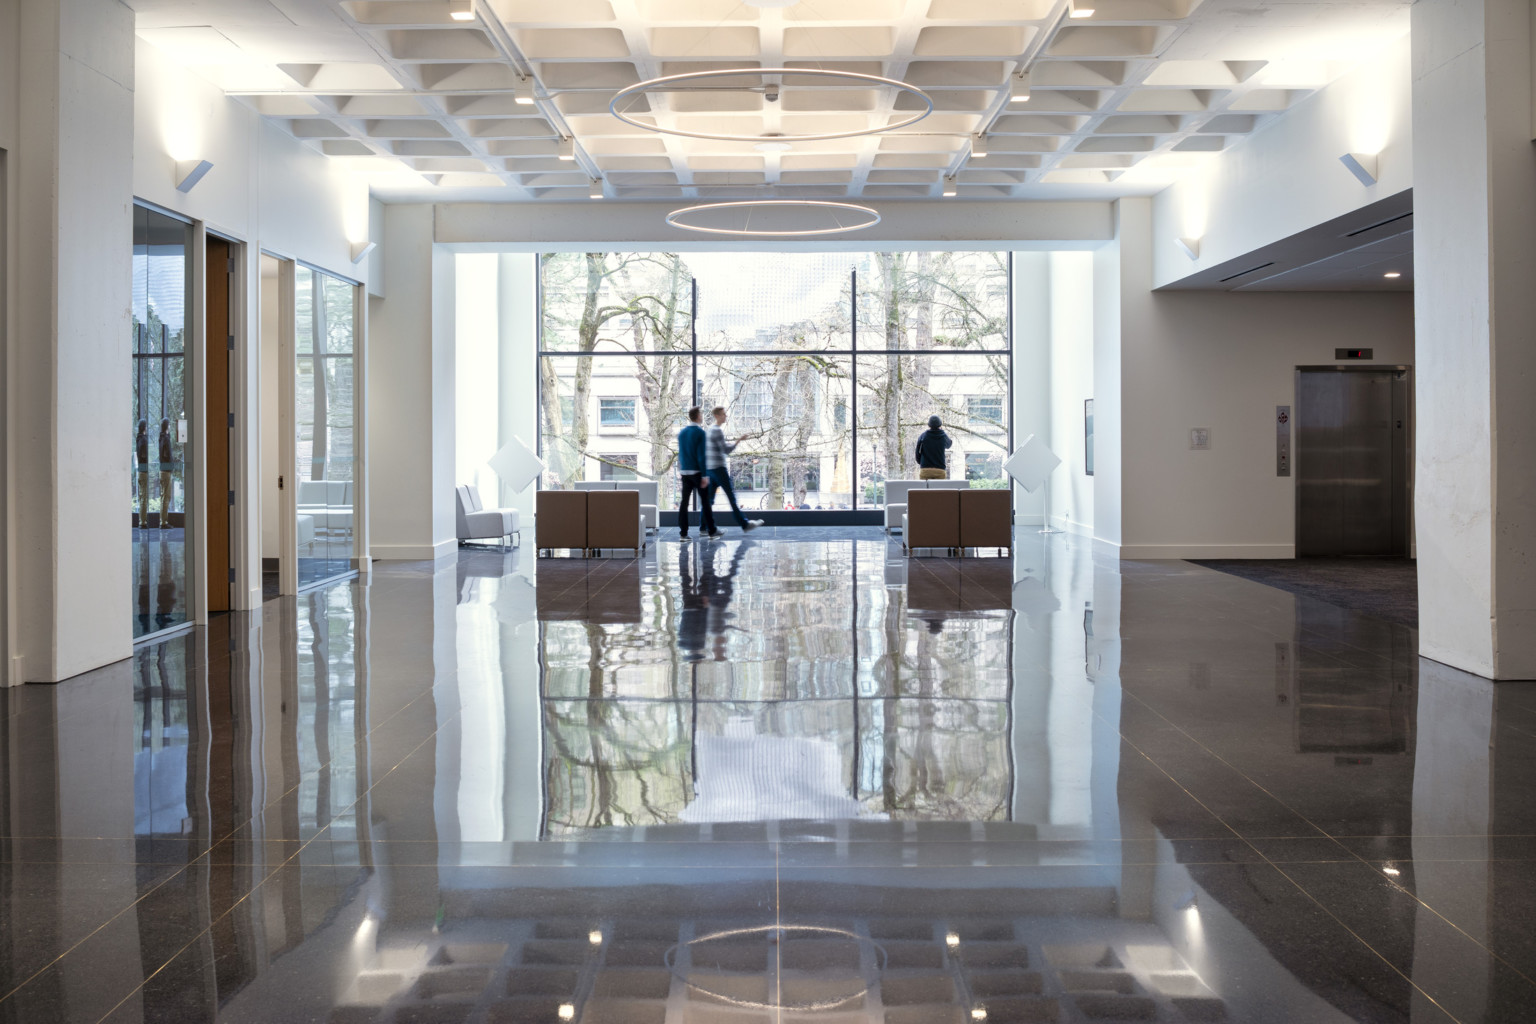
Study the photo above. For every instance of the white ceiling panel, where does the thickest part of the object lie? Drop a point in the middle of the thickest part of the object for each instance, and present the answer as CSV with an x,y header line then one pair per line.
x,y
477,107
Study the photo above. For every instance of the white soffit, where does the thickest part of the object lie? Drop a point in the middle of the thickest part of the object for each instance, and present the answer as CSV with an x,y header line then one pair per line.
x,y
427,105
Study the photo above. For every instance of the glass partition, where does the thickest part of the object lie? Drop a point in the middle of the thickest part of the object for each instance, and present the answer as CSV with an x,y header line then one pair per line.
x,y
161,441
325,314
829,365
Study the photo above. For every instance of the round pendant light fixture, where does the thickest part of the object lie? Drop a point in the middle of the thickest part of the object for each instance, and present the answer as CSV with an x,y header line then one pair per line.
x,y
797,218
691,79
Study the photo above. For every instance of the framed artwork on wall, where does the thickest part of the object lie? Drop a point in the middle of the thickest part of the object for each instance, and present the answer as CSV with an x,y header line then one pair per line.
x,y
1088,436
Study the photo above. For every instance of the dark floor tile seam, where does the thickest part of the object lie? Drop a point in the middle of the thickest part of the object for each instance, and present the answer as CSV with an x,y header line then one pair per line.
x,y
1315,901
1388,879
236,903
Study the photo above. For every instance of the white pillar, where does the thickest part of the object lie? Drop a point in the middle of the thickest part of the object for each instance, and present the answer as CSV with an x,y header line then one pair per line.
x,y
69,381
1475,246
411,377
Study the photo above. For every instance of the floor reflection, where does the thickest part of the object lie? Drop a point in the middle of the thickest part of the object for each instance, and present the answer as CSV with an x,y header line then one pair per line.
x,y
791,779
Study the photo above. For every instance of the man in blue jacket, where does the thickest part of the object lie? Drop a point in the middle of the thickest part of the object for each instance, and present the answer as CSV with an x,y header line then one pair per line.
x,y
690,466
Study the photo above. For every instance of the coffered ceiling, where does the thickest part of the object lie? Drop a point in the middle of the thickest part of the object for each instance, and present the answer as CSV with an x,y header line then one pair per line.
x,y
1121,102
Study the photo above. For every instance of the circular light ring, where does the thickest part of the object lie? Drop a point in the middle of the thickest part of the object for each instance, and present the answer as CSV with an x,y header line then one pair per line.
x,y
694,76
693,980
873,214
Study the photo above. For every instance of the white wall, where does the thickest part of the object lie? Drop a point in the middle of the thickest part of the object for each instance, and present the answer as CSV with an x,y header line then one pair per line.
x,y
1223,360
1071,383
1287,177
272,193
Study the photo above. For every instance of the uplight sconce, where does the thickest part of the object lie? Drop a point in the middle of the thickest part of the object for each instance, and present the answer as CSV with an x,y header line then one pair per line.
x,y
190,172
978,146
1362,166
567,150
360,250
1019,88
1189,247
949,187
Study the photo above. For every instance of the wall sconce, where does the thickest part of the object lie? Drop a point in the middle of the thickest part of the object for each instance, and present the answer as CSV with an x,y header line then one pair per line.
x,y
1361,165
360,250
1189,247
190,172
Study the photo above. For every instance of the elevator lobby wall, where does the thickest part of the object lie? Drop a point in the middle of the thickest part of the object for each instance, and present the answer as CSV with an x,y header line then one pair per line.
x,y
1222,361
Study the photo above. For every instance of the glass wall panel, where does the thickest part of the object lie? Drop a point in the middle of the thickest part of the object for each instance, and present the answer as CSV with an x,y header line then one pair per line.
x,y
770,337
325,323
934,300
753,301
161,442
793,441
897,394
615,302
613,418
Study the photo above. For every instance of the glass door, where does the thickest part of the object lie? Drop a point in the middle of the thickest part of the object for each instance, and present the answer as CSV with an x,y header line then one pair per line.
x,y
159,431
325,419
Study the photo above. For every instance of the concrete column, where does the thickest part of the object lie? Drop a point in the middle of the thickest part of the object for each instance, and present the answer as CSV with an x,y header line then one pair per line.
x,y
518,336
1475,245
70,384
411,377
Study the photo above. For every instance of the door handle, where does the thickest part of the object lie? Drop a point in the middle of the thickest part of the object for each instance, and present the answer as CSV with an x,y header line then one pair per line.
x,y
279,481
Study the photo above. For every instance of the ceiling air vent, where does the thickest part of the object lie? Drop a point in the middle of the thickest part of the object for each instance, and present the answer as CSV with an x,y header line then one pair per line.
x,y
1250,270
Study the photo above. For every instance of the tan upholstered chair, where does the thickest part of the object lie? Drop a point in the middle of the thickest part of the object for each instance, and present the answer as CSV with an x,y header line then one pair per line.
x,y
986,519
932,519
560,520
614,520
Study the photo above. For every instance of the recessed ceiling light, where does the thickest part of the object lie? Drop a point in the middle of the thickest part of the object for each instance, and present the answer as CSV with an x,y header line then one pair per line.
x,y
770,3
524,99
949,187
1019,88
1081,10
595,191
567,150
1392,273
462,11
978,146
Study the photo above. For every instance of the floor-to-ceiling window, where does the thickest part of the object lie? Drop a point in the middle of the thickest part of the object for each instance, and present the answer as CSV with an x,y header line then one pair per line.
x,y
830,365
325,315
159,437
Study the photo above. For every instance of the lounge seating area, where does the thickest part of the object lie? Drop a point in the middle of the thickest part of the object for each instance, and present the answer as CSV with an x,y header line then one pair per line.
x,y
955,519
896,492
646,488
476,522
589,520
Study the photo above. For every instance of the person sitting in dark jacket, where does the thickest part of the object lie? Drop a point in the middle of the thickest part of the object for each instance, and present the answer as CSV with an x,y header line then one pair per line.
x,y
932,444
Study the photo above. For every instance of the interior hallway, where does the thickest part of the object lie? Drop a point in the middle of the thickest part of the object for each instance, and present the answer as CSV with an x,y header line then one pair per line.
x,y
1056,787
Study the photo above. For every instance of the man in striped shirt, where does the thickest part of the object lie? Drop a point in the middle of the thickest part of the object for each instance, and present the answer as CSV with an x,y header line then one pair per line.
x,y
717,465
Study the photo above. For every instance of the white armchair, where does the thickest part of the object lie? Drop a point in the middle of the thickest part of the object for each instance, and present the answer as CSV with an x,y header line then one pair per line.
x,y
477,523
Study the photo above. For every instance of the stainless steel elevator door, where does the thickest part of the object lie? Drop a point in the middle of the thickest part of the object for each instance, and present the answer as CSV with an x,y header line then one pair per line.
x,y
1351,462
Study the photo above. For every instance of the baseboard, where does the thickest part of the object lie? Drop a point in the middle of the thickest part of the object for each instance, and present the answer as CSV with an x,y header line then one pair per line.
x,y
1143,552
441,551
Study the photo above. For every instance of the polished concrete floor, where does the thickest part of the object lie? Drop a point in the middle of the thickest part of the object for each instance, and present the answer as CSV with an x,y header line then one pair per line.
x,y
788,778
